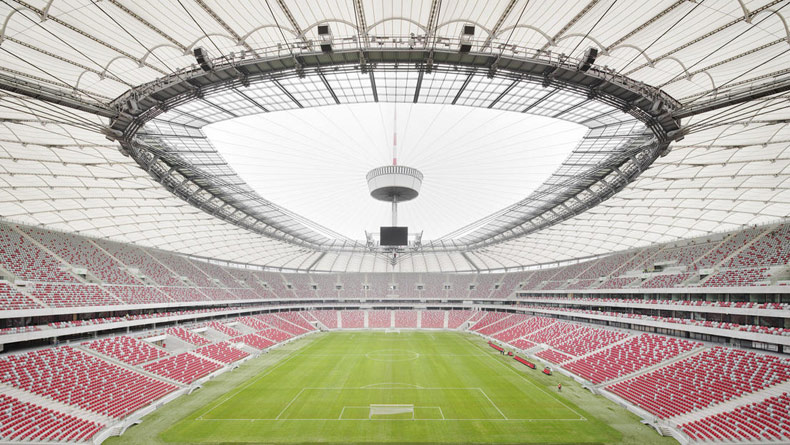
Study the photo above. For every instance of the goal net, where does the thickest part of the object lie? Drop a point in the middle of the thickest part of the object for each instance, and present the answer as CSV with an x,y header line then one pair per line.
x,y
392,331
391,412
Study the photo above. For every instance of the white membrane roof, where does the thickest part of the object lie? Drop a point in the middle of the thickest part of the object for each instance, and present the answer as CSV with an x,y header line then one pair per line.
x,y
58,170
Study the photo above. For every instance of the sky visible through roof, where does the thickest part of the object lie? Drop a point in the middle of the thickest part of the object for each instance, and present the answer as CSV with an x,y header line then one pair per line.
x,y
475,161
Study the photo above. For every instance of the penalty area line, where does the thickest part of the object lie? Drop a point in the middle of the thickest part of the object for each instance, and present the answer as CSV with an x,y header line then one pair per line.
x,y
581,417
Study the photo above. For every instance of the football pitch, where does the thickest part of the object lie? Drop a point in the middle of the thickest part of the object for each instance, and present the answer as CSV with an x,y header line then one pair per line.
x,y
373,387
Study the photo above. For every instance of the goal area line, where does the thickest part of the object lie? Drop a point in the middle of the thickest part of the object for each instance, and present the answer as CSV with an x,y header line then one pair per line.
x,y
392,412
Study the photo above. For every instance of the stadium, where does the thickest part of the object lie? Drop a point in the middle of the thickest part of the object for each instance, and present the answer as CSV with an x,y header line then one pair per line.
x,y
365,221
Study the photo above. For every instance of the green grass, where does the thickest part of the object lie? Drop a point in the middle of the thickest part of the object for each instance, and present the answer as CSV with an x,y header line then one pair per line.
x,y
320,389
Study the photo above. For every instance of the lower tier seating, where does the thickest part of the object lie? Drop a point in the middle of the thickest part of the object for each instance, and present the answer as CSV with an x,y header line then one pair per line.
x,y
588,340
275,335
222,352
630,356
352,319
711,377
503,324
432,319
188,336
327,318
184,367
227,330
522,344
29,422
297,319
379,319
279,323
126,349
406,319
253,340
456,318
75,378
768,420
553,356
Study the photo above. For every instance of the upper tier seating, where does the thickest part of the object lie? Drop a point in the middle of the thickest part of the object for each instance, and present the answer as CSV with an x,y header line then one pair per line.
x,y
740,277
217,294
763,421
72,295
352,319
456,318
250,280
11,299
126,349
630,356
508,285
685,255
484,285
352,285
140,260
182,268
327,285
29,422
617,283
459,285
75,378
139,294
188,336
711,377
327,318
301,285
185,367
405,319
379,319
433,286
276,284
407,285
217,274
664,281
222,352
253,340
24,259
731,244
432,319
184,294
379,284
81,252
771,249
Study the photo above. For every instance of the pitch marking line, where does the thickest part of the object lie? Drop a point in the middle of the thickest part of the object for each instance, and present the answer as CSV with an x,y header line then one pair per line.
x,y
254,380
289,404
581,417
368,387
492,403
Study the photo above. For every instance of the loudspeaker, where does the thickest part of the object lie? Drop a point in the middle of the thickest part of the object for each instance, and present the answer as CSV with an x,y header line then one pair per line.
x,y
202,59
588,59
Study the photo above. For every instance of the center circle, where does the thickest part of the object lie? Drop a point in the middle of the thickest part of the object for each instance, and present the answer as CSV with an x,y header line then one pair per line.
x,y
392,355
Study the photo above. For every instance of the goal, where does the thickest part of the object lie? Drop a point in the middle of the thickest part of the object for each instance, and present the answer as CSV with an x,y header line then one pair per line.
x,y
391,412
392,331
